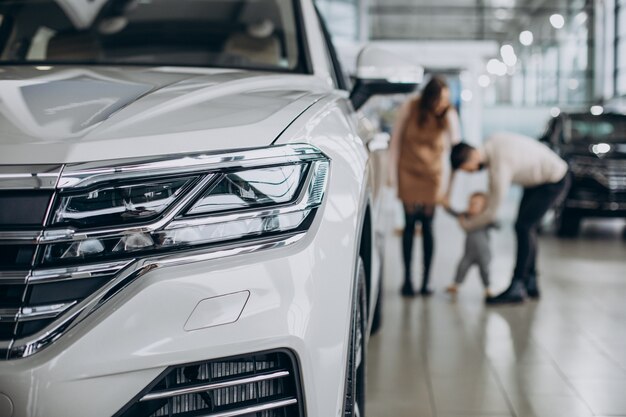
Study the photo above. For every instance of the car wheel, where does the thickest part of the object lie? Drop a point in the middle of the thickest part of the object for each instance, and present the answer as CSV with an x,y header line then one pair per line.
x,y
568,223
354,403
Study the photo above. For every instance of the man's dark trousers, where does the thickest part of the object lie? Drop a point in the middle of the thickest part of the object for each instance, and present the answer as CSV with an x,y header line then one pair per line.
x,y
535,203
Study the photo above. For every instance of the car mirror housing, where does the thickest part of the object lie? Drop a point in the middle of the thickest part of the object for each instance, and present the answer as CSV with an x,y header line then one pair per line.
x,y
380,72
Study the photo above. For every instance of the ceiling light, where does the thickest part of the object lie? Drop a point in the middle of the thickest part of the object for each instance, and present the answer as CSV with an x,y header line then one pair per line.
x,y
506,50
496,67
555,111
526,38
467,95
557,21
581,18
484,81
572,84
508,55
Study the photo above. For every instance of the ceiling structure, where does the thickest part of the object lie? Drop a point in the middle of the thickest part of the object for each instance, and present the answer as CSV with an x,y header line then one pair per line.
x,y
428,20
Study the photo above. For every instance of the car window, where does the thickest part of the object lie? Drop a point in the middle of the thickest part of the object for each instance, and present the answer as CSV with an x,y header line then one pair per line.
x,y
597,129
250,34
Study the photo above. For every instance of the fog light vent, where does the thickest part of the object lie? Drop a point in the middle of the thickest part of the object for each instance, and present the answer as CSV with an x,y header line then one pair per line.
x,y
257,385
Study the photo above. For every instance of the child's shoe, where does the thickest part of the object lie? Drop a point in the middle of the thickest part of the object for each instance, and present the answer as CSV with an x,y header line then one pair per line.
x,y
452,289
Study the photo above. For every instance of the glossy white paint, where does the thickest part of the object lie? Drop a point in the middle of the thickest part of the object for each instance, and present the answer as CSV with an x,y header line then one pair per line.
x,y
216,311
83,114
299,296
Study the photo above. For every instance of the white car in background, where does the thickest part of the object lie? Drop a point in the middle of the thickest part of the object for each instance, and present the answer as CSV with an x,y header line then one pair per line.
x,y
187,210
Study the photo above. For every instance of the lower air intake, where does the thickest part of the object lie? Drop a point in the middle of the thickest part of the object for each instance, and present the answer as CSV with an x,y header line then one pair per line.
x,y
256,385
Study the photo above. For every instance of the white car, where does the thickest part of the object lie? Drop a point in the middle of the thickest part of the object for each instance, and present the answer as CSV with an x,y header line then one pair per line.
x,y
187,210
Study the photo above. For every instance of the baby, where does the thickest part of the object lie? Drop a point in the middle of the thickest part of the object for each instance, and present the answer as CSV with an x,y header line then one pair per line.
x,y
477,247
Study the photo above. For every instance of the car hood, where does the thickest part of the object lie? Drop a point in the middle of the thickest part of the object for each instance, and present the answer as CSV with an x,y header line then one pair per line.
x,y
69,114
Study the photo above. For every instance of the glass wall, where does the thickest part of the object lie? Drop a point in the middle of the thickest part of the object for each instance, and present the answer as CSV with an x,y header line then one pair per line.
x,y
620,48
547,63
342,17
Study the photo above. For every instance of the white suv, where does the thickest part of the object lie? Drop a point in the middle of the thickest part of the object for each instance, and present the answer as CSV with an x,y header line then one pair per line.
x,y
187,210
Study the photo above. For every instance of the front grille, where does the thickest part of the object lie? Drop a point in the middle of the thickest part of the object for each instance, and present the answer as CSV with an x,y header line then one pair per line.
x,y
29,307
257,385
29,303
23,209
16,256
586,190
610,173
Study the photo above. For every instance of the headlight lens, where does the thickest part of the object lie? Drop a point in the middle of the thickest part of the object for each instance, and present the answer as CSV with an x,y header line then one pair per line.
x,y
227,205
118,205
251,188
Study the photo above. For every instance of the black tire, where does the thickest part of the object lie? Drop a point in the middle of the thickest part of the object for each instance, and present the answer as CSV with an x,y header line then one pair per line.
x,y
354,401
568,223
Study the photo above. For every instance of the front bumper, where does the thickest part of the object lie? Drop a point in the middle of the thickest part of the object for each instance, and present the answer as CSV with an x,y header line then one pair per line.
x,y
596,201
100,365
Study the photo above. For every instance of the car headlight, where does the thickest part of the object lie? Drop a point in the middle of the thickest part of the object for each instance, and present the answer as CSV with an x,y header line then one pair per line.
x,y
118,204
273,191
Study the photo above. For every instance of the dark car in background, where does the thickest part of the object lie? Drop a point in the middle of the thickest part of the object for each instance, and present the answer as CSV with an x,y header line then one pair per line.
x,y
595,148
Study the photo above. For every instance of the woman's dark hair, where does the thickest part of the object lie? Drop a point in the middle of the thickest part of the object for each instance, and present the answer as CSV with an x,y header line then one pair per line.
x,y
459,154
428,101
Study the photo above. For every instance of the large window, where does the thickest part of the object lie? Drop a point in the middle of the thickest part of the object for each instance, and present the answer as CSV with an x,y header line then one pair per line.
x,y
342,17
251,34
620,48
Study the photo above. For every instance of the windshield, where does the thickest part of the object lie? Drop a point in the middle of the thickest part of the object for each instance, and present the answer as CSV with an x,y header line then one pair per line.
x,y
595,129
249,34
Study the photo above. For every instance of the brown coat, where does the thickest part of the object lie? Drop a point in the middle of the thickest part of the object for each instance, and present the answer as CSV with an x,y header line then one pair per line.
x,y
420,157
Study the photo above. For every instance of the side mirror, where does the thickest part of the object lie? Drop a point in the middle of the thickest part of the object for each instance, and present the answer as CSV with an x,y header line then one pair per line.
x,y
380,142
382,72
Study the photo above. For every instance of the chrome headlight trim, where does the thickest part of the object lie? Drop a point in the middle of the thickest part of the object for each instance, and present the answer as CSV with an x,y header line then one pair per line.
x,y
87,174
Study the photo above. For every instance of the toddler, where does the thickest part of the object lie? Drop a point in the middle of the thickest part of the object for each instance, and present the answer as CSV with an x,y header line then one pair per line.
x,y
477,246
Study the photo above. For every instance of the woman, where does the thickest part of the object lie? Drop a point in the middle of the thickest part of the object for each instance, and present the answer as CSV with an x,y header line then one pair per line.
x,y
425,127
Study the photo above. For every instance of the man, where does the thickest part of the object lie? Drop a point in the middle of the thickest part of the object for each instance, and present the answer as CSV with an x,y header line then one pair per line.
x,y
515,159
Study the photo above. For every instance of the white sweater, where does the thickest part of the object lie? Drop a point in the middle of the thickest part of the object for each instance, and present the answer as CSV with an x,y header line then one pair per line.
x,y
515,159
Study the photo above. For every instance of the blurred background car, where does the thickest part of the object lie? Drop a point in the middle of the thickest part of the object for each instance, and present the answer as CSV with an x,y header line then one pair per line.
x,y
595,148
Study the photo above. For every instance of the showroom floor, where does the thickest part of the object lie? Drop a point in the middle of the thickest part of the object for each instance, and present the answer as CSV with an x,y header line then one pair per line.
x,y
564,356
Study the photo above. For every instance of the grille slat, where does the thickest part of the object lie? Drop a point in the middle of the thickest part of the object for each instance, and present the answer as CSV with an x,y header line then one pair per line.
x,y
216,385
263,384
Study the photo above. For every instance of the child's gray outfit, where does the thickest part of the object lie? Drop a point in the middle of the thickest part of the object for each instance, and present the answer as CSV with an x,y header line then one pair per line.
x,y
477,252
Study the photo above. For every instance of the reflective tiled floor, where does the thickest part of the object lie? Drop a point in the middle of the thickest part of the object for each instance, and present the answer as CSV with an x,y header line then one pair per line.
x,y
564,356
